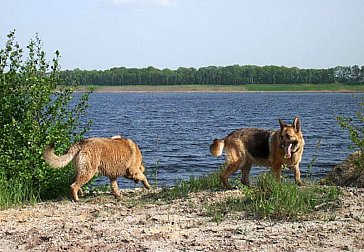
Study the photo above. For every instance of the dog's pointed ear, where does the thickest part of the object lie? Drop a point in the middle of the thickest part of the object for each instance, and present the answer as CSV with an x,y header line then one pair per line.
x,y
281,123
297,124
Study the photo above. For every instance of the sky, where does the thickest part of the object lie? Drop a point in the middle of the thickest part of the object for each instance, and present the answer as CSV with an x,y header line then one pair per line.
x,y
101,34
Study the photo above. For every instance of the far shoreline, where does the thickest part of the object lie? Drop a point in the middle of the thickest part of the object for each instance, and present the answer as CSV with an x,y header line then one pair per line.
x,y
248,88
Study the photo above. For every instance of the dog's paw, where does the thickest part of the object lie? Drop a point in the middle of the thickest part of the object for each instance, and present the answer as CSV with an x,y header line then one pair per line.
x,y
300,183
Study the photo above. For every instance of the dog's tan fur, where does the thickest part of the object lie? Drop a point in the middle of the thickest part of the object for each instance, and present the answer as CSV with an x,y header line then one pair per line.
x,y
111,157
274,149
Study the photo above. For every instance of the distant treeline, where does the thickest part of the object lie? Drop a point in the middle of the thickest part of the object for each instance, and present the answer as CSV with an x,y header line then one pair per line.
x,y
229,75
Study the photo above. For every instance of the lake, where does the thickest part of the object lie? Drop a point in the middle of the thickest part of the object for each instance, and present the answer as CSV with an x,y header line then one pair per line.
x,y
174,130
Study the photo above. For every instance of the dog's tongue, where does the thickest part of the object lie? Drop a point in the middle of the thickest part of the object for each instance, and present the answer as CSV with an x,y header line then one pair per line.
x,y
288,151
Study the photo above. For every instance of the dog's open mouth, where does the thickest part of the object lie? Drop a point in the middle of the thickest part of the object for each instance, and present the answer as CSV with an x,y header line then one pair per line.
x,y
289,149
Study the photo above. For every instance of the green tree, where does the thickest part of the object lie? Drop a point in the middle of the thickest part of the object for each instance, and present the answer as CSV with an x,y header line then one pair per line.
x,y
36,108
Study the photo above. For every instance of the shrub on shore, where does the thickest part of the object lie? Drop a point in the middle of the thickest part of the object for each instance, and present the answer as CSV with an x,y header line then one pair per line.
x,y
32,115
355,127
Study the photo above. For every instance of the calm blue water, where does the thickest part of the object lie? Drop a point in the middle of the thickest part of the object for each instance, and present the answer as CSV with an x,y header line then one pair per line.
x,y
174,130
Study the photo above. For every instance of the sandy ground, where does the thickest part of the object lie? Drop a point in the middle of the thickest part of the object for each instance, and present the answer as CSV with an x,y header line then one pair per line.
x,y
191,89
102,223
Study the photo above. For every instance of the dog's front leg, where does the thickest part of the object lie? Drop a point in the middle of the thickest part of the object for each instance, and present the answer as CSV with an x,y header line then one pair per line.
x,y
139,176
114,187
297,174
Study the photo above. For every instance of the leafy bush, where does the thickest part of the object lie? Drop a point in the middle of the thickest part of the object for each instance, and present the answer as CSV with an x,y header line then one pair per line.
x,y
355,127
37,107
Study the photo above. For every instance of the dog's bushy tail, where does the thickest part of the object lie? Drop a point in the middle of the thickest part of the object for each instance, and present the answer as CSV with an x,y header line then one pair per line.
x,y
60,161
217,147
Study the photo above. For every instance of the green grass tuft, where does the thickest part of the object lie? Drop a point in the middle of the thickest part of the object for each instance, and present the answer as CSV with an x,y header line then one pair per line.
x,y
275,200
266,198
15,192
182,189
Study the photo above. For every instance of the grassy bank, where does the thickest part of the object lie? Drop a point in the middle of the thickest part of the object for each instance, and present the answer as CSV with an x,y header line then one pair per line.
x,y
265,199
230,88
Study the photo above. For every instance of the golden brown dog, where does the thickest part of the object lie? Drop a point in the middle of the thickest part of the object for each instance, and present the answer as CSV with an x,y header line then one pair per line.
x,y
111,157
245,147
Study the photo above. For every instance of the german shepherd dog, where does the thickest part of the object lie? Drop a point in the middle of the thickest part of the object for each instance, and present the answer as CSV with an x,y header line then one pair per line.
x,y
111,157
245,147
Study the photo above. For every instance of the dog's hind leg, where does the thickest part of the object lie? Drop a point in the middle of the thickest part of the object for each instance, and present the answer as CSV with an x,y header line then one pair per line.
x,y
114,187
75,187
80,191
277,170
229,170
245,171
81,179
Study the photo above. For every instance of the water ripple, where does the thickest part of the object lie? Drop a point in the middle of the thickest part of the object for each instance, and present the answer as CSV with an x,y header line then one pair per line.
x,y
174,130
